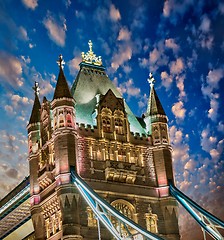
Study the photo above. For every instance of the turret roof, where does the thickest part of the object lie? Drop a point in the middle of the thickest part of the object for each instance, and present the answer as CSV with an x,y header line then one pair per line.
x,y
35,115
154,104
62,89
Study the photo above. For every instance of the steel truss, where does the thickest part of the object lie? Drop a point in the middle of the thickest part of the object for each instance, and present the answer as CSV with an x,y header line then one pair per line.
x,y
208,222
124,229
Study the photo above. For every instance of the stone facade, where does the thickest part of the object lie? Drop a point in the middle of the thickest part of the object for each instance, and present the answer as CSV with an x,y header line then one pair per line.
x,y
129,170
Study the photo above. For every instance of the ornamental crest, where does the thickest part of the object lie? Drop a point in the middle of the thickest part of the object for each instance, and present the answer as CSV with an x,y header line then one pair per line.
x,y
90,56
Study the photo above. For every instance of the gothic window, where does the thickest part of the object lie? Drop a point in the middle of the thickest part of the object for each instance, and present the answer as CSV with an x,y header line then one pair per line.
x,y
164,135
119,121
106,122
69,122
125,208
121,155
156,135
92,222
106,119
118,125
134,157
151,221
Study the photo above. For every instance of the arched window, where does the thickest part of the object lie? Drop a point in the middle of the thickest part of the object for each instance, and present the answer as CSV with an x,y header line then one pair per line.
x,y
106,119
92,222
128,210
118,122
106,122
151,221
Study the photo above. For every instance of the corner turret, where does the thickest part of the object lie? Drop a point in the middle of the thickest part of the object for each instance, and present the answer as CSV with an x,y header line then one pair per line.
x,y
156,125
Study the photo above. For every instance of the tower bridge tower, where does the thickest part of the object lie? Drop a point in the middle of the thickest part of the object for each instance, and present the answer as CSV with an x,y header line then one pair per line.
x,y
126,160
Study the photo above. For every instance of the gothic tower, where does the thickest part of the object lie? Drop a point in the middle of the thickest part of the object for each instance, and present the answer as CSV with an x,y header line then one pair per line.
x,y
125,159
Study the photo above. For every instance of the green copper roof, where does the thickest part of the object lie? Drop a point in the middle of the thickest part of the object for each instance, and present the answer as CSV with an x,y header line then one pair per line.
x,y
90,81
62,89
35,115
154,104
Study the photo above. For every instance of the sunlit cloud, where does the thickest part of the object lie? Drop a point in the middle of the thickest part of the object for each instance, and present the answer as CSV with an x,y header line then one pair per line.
x,y
56,29
11,69
114,13
170,43
74,65
179,110
166,80
32,4
124,34
176,67
123,54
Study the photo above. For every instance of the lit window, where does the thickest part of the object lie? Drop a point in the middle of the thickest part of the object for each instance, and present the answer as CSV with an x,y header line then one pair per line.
x,y
118,125
106,124
151,221
128,210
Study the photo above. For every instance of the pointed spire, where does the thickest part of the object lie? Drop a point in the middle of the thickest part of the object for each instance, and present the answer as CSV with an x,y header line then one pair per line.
x,y
62,89
154,104
35,115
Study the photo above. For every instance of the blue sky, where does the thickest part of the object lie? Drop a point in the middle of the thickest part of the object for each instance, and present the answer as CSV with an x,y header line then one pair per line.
x,y
181,44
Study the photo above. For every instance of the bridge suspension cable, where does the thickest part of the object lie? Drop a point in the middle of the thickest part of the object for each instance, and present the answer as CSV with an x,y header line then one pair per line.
x,y
208,222
125,229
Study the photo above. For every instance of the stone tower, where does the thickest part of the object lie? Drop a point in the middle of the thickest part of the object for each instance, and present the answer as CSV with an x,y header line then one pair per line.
x,y
125,159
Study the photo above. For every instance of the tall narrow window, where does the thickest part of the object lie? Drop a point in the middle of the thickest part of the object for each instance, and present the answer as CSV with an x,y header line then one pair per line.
x,y
151,221
106,122
118,125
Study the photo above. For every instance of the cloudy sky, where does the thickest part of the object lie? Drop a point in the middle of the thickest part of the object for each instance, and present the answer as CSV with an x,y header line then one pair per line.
x,y
181,44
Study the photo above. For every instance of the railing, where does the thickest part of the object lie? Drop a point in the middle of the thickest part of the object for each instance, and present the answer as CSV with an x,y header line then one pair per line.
x,y
206,220
125,229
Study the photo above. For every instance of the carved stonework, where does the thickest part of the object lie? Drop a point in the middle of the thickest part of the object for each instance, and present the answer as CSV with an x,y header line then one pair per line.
x,y
151,221
52,215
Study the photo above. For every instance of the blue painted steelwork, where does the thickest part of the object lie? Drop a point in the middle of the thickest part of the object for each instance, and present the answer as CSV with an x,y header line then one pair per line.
x,y
104,212
211,224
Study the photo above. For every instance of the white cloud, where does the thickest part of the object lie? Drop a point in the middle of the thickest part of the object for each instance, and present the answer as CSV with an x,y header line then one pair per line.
x,y
205,24
178,142
74,65
176,67
11,69
124,34
8,109
179,110
157,56
170,43
166,80
143,62
180,86
32,45
127,88
56,30
166,9
123,54
67,3
23,34
214,105
214,77
32,4
206,41
114,13
208,141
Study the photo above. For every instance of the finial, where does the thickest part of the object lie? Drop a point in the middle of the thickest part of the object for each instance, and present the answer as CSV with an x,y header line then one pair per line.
x,y
151,80
61,61
149,209
36,88
90,57
90,46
